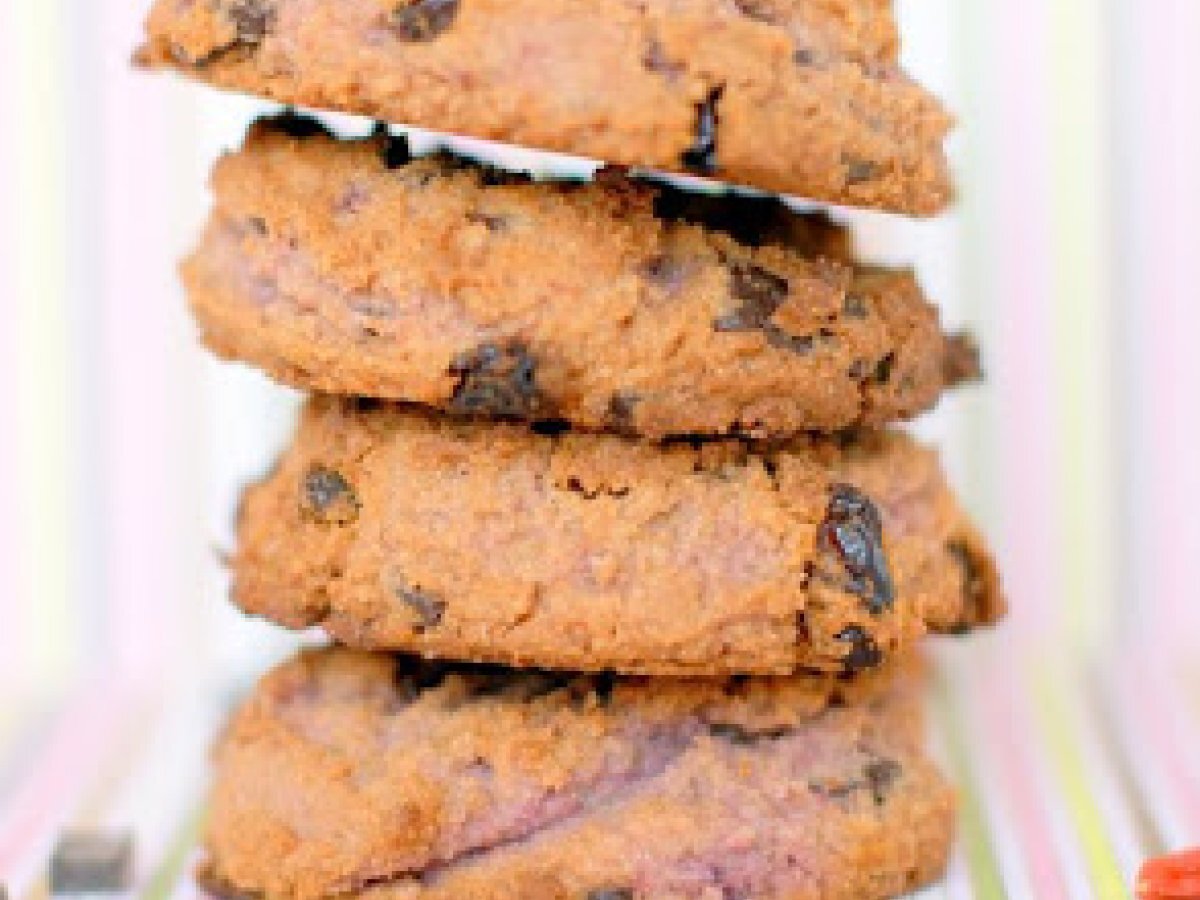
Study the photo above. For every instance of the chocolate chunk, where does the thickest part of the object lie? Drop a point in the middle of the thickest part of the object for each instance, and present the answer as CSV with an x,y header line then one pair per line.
x,y
961,361
859,171
804,57
328,498
701,157
253,20
883,369
881,774
428,608
496,381
610,894
851,538
758,10
656,60
620,410
761,292
665,272
422,20
878,777
92,862
746,737
854,307
864,652
490,221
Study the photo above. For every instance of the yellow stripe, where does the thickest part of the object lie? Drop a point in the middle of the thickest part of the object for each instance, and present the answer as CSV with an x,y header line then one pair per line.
x,y
1051,708
1081,314
986,880
45,433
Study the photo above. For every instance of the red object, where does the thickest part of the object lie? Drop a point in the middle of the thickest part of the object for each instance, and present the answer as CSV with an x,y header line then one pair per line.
x,y
1175,876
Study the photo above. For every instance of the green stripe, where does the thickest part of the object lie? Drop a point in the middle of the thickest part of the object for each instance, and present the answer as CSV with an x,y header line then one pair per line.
x,y
1053,717
981,859
170,869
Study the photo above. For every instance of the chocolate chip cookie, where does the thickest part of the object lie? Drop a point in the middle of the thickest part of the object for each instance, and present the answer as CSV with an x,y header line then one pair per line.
x,y
345,266
791,96
363,775
393,528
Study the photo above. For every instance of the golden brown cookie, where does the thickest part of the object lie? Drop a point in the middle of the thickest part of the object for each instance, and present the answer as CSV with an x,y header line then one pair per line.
x,y
343,266
791,96
362,775
395,529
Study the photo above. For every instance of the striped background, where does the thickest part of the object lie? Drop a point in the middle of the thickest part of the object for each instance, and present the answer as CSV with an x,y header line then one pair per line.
x,y
122,448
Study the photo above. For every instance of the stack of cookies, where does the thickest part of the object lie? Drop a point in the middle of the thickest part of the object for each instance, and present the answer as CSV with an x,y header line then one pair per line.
x,y
593,494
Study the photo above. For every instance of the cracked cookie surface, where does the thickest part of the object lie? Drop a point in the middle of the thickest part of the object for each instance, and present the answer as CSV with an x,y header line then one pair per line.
x,y
364,775
346,267
493,542
798,97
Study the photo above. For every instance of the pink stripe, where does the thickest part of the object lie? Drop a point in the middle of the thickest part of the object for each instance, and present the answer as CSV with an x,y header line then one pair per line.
x,y
1161,743
1167,223
1007,733
150,419
1019,122
56,775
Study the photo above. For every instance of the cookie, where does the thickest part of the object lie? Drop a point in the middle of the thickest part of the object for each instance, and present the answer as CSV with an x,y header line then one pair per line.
x,y
395,529
362,775
346,267
791,96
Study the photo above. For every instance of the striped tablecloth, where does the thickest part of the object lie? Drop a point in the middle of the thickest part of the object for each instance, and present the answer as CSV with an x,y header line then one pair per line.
x,y
1069,774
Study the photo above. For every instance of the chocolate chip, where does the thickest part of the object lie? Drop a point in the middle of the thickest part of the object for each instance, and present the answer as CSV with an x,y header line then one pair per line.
x,y
294,125
258,225
864,652
655,59
757,9
702,155
328,497
883,369
429,609
878,776
804,57
761,293
490,221
745,737
610,894
796,343
86,862
854,307
620,410
422,20
664,271
496,381
961,364
859,171
851,538
253,20
576,486
881,774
